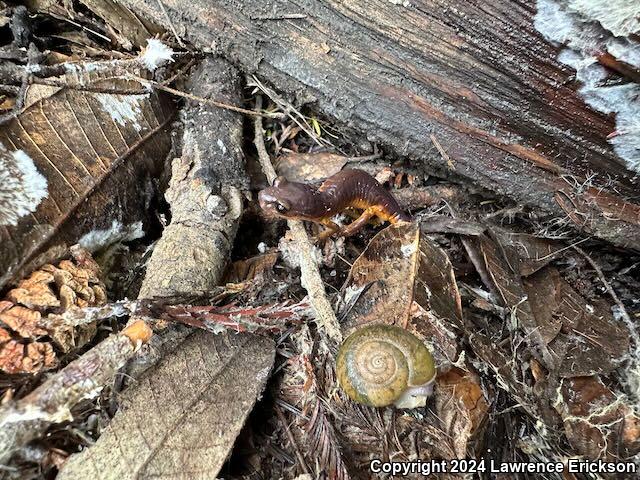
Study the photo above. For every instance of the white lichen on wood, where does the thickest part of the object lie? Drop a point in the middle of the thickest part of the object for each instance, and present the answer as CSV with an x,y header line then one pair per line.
x,y
22,187
620,17
97,239
579,26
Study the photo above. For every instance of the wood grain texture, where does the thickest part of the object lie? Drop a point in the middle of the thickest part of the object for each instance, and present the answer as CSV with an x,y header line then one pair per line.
x,y
205,190
476,75
179,419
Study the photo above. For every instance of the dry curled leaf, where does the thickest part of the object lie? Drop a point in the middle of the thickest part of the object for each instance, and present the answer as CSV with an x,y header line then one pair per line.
x,y
31,310
403,278
462,406
586,338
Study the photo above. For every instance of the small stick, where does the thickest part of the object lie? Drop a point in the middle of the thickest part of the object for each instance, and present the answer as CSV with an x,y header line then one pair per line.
x,y
292,439
173,28
623,311
310,276
442,152
206,101
51,402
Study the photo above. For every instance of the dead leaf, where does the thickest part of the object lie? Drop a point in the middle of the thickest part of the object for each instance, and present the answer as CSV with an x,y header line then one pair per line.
x,y
182,418
534,252
498,267
125,27
380,285
80,161
587,339
462,408
250,268
403,278
310,167
598,424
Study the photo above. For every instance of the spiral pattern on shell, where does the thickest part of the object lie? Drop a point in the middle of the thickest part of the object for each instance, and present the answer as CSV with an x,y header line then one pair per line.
x,y
379,362
376,364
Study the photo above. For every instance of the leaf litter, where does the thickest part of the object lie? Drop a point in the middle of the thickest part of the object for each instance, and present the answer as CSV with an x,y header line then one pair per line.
x,y
535,356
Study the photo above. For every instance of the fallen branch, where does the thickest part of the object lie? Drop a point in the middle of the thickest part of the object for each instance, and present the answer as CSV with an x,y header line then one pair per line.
x,y
51,402
310,276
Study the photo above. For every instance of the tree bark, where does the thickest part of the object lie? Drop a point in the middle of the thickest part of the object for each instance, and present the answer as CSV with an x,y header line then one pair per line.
x,y
476,75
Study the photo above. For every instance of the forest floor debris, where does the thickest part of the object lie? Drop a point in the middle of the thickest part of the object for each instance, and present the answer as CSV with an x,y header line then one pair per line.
x,y
533,325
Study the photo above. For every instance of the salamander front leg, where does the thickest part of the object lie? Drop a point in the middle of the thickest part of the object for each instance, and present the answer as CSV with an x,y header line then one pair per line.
x,y
332,228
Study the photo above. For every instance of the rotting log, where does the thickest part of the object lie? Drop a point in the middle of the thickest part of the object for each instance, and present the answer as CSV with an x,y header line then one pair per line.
x,y
476,75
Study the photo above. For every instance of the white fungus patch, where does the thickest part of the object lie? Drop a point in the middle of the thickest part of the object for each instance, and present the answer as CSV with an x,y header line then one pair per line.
x,y
22,187
222,146
126,110
578,24
408,250
98,239
156,54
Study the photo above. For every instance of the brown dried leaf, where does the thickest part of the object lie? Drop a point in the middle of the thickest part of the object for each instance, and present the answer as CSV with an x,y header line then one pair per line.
x,y
249,269
462,408
380,285
403,278
597,423
533,252
182,418
588,340
126,28
498,266
310,167
129,30
74,153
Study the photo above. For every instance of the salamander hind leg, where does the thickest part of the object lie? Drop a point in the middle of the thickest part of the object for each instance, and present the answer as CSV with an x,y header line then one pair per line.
x,y
362,220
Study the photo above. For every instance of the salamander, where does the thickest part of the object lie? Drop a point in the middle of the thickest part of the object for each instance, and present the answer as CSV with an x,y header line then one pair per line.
x,y
347,189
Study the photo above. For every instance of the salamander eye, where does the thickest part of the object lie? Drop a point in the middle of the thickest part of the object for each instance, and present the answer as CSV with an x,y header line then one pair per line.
x,y
281,208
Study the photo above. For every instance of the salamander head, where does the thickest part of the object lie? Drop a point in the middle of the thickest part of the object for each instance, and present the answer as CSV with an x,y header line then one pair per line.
x,y
288,200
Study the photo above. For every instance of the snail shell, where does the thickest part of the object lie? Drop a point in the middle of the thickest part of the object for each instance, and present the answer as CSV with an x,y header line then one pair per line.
x,y
378,365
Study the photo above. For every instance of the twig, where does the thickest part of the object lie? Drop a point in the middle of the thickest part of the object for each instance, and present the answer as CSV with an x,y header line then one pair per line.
x,y
173,28
76,24
182,70
52,401
310,276
206,101
89,88
291,112
267,319
442,152
623,311
292,439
